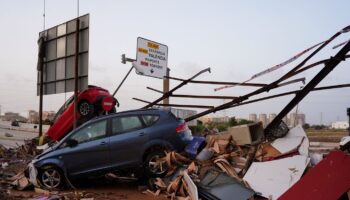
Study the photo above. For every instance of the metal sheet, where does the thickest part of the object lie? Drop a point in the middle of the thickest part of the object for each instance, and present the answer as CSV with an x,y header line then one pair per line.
x,y
327,180
225,187
296,138
273,178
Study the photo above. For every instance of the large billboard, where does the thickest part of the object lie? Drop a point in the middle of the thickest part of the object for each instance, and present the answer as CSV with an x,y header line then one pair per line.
x,y
151,58
59,58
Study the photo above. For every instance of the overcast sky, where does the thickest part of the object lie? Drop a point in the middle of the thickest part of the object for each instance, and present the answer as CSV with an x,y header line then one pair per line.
x,y
235,38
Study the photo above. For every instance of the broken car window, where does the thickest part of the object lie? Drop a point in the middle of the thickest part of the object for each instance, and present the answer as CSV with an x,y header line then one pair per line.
x,y
91,132
150,119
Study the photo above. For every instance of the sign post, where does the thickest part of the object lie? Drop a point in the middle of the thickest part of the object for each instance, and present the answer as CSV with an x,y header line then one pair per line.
x,y
348,112
63,60
76,74
166,85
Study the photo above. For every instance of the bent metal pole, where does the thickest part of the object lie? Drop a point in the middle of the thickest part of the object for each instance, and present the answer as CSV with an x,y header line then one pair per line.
x,y
329,66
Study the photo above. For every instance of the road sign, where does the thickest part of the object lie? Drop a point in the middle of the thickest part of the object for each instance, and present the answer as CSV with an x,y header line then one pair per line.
x,y
151,58
58,63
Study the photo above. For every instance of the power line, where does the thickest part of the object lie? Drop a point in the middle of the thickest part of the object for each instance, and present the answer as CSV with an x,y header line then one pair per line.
x,y
44,14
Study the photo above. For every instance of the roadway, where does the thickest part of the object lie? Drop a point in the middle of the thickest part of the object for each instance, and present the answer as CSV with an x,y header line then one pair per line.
x,y
19,134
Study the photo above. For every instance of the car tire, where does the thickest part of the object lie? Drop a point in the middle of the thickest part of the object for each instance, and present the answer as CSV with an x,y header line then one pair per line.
x,y
51,178
85,109
154,168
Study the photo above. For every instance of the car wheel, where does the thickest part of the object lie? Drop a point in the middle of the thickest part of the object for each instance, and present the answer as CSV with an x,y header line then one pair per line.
x,y
51,178
154,166
85,109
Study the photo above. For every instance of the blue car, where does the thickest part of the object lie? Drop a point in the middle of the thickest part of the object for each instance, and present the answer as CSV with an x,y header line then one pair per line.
x,y
126,140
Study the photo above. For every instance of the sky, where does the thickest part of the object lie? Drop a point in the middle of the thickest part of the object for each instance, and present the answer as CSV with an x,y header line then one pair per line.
x,y
236,39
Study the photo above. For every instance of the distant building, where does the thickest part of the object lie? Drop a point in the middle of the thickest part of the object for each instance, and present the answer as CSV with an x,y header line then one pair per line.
x,y
220,119
33,116
207,119
253,117
183,113
285,119
272,116
11,116
296,119
340,125
263,119
49,115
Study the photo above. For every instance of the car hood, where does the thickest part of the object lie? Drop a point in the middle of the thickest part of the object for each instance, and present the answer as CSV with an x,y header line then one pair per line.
x,y
46,151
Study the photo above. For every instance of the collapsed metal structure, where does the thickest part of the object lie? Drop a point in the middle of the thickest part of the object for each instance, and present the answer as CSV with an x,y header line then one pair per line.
x,y
276,128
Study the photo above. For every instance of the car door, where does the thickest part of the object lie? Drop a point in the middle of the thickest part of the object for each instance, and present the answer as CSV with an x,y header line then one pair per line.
x,y
91,153
127,138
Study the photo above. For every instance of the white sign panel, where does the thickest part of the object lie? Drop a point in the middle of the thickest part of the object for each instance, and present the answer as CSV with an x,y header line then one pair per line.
x,y
151,58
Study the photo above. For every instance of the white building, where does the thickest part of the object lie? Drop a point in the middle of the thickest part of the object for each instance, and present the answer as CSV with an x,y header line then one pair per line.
x,y
253,117
183,113
340,125
263,119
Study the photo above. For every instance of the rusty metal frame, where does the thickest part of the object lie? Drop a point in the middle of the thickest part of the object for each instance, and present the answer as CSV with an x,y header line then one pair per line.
x,y
220,82
274,84
175,105
330,64
289,93
167,94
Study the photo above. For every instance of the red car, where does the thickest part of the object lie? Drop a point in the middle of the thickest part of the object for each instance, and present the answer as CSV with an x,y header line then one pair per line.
x,y
92,102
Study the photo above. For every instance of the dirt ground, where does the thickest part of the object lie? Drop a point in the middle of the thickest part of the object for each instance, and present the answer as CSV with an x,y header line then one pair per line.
x,y
326,135
96,190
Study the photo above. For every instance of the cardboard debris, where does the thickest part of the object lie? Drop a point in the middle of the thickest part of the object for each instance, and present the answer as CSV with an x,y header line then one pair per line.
x,y
273,178
160,183
221,153
225,166
247,134
267,152
42,191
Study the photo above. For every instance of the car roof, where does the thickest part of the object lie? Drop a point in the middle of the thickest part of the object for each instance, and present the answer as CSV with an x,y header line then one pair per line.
x,y
137,111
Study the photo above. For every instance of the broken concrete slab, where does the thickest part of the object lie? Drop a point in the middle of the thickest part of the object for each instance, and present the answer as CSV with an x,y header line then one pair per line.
x,y
273,178
330,179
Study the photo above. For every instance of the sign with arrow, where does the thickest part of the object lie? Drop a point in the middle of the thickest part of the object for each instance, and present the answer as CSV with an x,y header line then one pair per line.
x,y
151,58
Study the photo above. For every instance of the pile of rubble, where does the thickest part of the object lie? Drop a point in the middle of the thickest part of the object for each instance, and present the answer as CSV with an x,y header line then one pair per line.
x,y
237,164
240,164
13,163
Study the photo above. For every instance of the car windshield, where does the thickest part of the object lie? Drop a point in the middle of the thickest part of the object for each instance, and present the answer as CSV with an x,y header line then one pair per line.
x,y
63,108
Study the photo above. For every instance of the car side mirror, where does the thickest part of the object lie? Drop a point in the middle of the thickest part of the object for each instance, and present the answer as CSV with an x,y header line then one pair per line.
x,y
71,143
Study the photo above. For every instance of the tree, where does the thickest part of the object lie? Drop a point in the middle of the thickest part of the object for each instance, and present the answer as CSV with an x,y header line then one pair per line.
x,y
232,121
306,126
